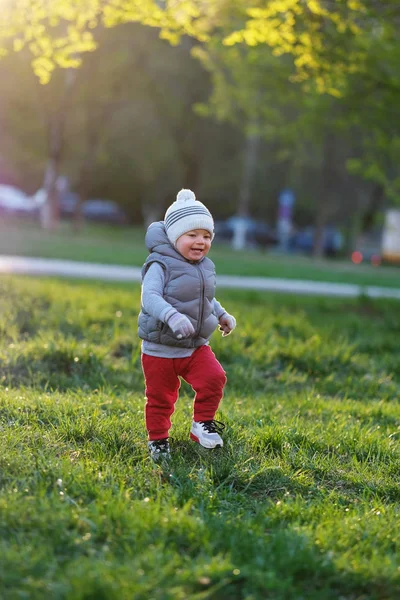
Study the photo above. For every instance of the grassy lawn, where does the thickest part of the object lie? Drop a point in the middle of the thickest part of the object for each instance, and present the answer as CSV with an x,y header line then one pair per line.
x,y
125,246
302,502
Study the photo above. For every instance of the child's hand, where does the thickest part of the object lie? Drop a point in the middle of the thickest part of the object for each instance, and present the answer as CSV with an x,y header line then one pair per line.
x,y
180,325
227,323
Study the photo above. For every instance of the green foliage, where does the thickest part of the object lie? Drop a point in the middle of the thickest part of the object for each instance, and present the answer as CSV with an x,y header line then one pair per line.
x,y
130,134
346,50
290,72
57,34
302,502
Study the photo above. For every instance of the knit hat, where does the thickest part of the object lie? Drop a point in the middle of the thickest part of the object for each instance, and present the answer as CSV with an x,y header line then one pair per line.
x,y
185,214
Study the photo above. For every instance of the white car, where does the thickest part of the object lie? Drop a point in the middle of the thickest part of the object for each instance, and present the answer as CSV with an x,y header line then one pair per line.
x,y
15,202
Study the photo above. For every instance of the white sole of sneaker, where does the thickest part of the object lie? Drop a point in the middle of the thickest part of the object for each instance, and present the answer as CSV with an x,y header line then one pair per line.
x,y
208,445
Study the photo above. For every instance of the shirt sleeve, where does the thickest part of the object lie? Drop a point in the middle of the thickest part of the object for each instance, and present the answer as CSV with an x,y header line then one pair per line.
x,y
218,309
152,294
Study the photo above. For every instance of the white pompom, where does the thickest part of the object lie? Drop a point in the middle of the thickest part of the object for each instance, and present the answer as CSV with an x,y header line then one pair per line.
x,y
185,196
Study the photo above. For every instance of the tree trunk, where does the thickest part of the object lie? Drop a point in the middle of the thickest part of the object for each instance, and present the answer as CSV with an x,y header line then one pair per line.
x,y
364,212
355,223
328,181
375,204
243,207
50,213
85,178
250,165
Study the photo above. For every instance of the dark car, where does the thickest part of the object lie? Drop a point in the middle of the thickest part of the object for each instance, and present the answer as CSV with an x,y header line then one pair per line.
x,y
104,211
258,234
101,211
303,241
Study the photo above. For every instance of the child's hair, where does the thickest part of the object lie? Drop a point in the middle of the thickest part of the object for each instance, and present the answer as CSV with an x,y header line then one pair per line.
x,y
185,214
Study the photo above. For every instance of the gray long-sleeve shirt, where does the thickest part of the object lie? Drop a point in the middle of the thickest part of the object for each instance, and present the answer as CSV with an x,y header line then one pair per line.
x,y
157,307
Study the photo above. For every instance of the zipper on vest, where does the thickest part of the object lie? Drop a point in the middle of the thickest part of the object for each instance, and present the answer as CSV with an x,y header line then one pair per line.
x,y
202,301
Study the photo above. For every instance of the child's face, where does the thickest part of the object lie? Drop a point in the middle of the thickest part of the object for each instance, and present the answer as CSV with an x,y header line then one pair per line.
x,y
194,244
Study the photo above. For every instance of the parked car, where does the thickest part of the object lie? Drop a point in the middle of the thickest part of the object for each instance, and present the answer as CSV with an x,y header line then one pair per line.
x,y
14,202
303,241
101,211
104,211
258,233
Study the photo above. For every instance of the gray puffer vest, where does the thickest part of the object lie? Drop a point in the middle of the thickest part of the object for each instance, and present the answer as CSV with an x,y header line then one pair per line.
x,y
189,288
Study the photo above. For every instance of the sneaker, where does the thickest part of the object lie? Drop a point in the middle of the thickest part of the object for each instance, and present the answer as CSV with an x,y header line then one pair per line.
x,y
206,433
159,449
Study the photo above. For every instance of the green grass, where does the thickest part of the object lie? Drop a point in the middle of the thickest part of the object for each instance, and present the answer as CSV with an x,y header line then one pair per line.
x,y
302,502
125,246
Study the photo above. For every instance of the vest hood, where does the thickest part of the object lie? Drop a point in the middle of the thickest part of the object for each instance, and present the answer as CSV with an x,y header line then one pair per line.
x,y
156,237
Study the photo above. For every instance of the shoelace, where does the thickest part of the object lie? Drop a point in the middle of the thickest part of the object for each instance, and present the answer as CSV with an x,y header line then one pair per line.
x,y
213,426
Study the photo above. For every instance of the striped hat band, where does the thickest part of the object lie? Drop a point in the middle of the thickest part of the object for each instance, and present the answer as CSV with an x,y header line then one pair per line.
x,y
183,213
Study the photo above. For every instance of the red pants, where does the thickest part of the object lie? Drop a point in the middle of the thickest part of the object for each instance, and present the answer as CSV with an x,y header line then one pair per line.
x,y
201,370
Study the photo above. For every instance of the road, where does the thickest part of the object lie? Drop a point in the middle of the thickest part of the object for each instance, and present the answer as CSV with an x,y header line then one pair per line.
x,y
83,270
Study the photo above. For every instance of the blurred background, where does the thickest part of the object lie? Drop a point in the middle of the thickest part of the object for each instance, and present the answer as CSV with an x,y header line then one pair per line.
x,y
292,140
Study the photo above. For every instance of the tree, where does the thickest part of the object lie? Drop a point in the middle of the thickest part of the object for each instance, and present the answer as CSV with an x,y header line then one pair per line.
x,y
334,48
347,49
57,34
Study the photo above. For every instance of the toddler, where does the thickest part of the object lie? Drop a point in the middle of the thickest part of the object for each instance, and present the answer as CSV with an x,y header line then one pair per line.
x,y
179,313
